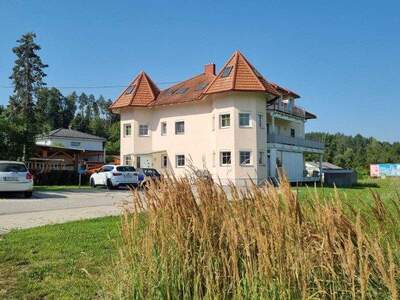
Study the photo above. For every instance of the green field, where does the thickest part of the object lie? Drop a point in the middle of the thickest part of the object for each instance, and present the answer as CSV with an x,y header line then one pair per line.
x,y
387,188
57,261
68,260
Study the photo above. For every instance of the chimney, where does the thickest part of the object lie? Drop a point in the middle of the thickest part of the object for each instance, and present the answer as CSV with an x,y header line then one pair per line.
x,y
209,69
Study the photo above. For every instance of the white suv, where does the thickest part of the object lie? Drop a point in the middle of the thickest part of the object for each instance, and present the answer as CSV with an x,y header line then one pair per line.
x,y
114,176
15,177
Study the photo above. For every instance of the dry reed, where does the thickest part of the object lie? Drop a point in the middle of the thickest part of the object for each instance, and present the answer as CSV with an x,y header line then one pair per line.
x,y
192,239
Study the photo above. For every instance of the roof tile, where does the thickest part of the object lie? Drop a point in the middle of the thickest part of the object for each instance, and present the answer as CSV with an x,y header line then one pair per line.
x,y
242,77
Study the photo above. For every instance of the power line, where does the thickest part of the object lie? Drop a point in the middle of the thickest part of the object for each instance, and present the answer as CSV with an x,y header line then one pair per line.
x,y
92,86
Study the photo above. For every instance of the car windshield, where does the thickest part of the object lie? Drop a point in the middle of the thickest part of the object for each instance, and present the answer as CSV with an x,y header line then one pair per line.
x,y
126,169
148,172
10,167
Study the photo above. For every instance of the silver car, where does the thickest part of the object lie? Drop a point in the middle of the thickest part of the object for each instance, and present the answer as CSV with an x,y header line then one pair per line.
x,y
15,177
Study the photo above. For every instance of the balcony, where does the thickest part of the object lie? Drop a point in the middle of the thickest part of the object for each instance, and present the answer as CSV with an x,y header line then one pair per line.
x,y
287,109
294,141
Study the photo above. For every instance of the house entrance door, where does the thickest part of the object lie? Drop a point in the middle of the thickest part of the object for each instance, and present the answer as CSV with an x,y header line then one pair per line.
x,y
144,161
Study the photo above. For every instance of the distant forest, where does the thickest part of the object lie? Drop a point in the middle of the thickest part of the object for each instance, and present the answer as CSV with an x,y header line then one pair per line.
x,y
356,152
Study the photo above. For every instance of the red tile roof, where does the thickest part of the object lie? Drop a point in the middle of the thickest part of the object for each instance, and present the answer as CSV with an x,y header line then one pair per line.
x,y
241,76
185,91
141,92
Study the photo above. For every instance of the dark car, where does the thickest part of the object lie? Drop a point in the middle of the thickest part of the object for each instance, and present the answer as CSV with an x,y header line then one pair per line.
x,y
149,174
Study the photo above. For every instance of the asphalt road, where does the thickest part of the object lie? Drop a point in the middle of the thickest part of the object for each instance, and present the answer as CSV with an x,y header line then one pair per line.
x,y
58,207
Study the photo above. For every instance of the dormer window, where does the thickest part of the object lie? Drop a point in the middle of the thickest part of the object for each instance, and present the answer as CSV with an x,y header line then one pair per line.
x,y
201,86
130,89
181,90
226,71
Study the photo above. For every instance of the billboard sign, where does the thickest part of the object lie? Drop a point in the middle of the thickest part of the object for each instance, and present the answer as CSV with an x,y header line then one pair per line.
x,y
380,170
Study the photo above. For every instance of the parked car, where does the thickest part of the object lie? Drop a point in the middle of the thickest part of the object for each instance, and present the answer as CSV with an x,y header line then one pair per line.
x,y
149,174
15,177
113,176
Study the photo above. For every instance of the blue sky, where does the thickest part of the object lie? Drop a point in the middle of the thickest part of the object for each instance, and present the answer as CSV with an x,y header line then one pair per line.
x,y
342,57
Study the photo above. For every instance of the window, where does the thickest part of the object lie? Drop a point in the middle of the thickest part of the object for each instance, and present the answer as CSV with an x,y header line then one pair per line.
x,y
164,161
245,158
260,120
226,71
143,130
225,158
128,160
213,123
12,167
181,90
180,127
130,89
125,169
244,119
127,129
75,144
180,160
163,128
225,120
261,158
106,169
268,130
201,86
292,132
138,162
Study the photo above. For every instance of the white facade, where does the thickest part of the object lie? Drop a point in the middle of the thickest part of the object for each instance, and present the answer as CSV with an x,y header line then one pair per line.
x,y
217,137
71,143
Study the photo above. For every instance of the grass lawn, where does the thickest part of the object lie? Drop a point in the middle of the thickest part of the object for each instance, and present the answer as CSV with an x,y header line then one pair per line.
x,y
66,260
387,188
56,188
57,261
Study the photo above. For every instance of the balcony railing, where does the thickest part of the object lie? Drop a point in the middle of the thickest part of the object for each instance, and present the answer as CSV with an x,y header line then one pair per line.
x,y
285,108
294,141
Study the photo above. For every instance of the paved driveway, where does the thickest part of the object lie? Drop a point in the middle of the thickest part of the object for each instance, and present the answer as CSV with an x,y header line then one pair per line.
x,y
58,207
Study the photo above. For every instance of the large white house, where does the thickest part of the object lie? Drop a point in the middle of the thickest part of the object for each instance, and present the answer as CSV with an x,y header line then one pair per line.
x,y
236,124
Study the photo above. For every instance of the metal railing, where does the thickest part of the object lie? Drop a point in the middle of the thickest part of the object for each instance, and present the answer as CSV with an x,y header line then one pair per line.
x,y
294,141
287,109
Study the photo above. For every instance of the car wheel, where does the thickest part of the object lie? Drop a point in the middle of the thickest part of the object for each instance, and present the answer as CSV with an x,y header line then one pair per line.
x,y
28,194
109,184
92,183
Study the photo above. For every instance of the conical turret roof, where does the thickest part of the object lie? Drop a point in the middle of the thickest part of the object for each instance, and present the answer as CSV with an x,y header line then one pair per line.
x,y
140,92
239,75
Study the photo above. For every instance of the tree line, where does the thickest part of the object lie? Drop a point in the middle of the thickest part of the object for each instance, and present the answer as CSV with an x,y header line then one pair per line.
x,y
35,109
356,152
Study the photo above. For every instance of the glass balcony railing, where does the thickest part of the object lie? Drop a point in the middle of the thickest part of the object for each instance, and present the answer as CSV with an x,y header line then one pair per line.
x,y
288,109
294,141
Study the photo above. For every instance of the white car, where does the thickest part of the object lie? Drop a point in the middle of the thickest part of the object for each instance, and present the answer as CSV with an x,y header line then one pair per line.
x,y
15,177
113,176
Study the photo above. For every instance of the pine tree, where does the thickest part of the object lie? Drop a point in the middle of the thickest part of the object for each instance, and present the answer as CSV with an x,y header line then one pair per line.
x,y
27,77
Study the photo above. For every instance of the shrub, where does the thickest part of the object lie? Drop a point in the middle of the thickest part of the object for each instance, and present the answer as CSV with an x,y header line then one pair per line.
x,y
201,240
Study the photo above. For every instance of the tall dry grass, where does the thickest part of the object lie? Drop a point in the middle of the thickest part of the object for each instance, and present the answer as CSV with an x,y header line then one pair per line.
x,y
185,240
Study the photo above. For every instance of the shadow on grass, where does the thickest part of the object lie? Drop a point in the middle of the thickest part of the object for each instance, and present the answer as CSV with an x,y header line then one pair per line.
x,y
358,186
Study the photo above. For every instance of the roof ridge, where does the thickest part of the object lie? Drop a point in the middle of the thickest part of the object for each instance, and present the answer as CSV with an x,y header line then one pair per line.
x,y
234,77
252,68
216,76
137,80
186,80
